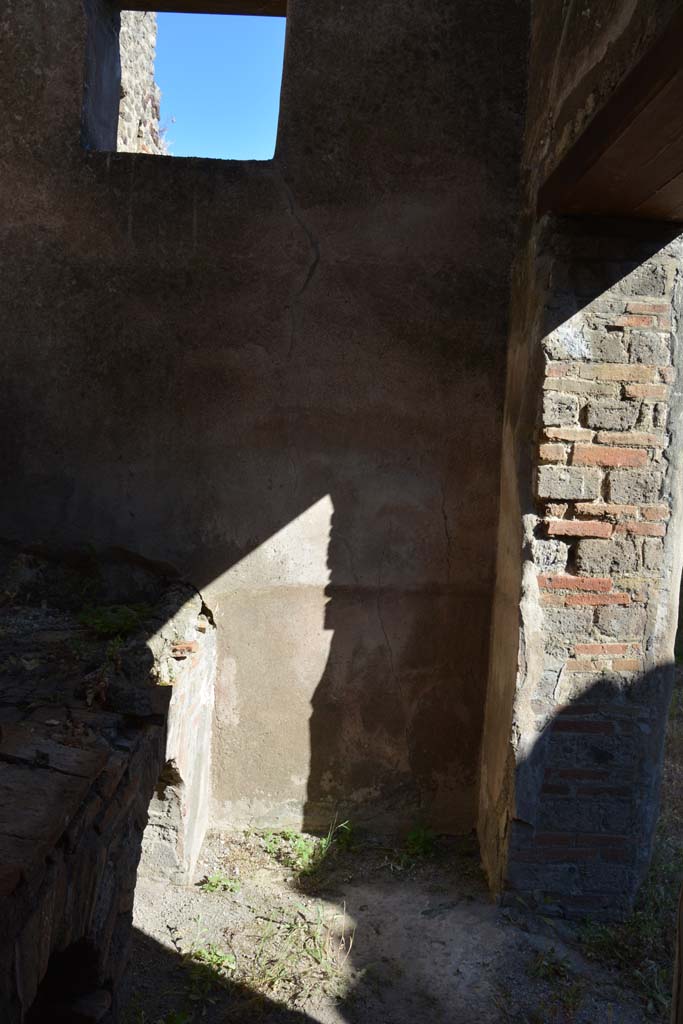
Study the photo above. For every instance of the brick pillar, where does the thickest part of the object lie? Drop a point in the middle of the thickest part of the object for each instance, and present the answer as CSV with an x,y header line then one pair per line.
x,y
576,810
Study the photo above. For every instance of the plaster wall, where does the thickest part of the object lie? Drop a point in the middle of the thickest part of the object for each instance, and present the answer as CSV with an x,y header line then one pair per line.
x,y
286,378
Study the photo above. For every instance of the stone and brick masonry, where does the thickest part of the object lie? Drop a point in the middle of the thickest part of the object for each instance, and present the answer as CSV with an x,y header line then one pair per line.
x,y
597,586
86,737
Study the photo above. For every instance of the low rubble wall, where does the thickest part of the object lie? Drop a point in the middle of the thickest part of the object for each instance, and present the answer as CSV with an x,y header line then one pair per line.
x,y
98,702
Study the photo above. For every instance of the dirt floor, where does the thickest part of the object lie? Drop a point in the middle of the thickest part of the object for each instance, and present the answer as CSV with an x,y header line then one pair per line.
x,y
370,935
281,928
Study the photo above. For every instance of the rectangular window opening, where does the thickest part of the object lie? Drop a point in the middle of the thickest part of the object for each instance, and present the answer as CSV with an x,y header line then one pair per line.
x,y
193,82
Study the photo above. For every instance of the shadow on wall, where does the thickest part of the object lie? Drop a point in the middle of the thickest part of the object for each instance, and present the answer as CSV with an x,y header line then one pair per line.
x,y
590,778
588,786
589,799
592,304
592,723
226,344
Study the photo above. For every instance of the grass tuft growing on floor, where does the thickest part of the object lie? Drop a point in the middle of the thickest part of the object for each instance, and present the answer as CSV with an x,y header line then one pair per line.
x,y
220,882
641,946
304,853
299,958
114,620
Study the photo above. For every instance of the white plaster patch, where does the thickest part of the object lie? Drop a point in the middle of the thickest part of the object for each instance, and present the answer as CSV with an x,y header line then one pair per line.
x,y
570,339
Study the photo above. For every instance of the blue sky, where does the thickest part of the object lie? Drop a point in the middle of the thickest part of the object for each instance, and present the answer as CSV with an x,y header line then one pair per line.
x,y
220,81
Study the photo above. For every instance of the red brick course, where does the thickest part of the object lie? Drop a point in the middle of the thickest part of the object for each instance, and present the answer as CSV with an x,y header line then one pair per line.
x,y
642,529
597,455
563,582
596,599
657,392
636,320
648,308
578,528
601,649
633,438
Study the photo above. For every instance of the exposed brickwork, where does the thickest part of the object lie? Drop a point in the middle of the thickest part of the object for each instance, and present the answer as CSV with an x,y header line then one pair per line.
x,y
587,719
85,742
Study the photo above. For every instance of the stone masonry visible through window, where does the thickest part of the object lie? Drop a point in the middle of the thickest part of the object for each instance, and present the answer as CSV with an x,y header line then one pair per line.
x,y
140,105
122,101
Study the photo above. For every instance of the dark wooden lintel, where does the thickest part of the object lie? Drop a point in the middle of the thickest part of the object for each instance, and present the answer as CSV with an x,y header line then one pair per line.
x,y
628,161
266,8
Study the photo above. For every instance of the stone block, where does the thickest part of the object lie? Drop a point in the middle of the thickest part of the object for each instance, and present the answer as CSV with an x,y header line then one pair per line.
x,y
650,347
633,486
573,342
660,415
594,278
607,557
653,555
567,342
568,482
604,878
612,415
570,815
627,623
560,410
644,279
606,346
569,622
554,877
549,555
617,816
645,419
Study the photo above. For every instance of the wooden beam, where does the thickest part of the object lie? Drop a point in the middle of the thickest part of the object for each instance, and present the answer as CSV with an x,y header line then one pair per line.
x,y
632,150
265,8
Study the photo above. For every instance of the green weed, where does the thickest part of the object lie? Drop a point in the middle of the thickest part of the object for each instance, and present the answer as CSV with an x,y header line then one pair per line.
x,y
219,882
114,620
548,966
566,992
297,956
114,651
420,842
306,853
211,956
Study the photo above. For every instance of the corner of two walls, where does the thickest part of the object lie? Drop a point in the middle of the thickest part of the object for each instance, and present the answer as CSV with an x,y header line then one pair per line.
x,y
578,291
507,651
